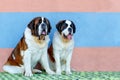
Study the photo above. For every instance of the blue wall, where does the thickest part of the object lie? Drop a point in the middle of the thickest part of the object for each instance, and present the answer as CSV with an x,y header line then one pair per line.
x,y
93,29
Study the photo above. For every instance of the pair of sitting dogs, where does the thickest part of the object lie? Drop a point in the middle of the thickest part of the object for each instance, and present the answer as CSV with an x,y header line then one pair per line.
x,y
33,48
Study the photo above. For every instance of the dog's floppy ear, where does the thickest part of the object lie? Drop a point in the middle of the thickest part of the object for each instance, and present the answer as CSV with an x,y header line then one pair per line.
x,y
74,27
49,27
31,25
58,26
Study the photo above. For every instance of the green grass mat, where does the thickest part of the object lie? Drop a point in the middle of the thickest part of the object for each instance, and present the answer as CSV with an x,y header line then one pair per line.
x,y
73,76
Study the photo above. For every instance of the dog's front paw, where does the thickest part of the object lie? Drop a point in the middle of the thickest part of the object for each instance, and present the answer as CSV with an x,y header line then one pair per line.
x,y
58,72
36,71
50,72
68,72
29,74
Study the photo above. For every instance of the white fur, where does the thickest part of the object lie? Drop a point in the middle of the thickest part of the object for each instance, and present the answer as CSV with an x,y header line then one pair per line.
x,y
68,22
36,52
62,53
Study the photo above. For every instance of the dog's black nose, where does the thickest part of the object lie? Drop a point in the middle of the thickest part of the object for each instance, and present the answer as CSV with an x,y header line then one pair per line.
x,y
43,25
70,30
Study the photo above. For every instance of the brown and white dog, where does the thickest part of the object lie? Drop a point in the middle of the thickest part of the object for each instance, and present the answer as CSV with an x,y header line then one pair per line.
x,y
60,52
31,49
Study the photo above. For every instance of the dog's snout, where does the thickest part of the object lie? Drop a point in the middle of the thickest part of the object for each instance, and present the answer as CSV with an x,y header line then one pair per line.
x,y
70,30
43,26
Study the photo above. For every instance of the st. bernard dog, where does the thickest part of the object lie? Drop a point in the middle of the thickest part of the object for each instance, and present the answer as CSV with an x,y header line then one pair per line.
x,y
60,52
31,49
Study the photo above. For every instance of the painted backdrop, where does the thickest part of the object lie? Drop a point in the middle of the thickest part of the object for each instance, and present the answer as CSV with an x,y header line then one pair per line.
x,y
97,38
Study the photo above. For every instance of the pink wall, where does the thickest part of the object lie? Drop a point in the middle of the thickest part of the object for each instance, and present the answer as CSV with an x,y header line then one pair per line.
x,y
85,59
96,59
60,5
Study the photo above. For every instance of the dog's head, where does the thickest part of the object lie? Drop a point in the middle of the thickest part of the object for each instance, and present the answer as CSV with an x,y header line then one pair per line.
x,y
40,27
66,28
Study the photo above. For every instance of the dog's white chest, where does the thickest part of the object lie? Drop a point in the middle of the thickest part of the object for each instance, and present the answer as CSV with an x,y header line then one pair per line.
x,y
37,45
35,57
63,54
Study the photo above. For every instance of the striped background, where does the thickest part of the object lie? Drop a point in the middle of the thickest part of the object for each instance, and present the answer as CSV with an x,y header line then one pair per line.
x,y
97,40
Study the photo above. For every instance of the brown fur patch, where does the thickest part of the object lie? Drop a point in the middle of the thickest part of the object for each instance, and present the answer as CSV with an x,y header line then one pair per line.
x,y
65,40
50,53
17,59
39,41
39,66
37,21
42,37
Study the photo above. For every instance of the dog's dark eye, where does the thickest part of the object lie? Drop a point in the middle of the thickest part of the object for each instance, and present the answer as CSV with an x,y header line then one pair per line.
x,y
37,25
40,20
44,21
72,25
64,26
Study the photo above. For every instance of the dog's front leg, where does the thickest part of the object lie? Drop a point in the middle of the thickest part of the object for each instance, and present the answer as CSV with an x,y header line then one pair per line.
x,y
57,60
27,63
68,61
45,64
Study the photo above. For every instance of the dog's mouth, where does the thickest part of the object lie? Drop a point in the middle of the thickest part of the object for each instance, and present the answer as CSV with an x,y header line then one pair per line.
x,y
69,36
43,32
42,36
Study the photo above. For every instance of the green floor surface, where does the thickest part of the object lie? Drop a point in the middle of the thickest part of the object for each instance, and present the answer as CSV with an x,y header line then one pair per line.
x,y
73,76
